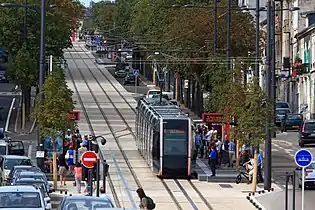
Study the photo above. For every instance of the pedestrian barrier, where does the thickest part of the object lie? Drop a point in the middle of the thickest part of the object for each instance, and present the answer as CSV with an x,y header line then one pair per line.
x,y
252,199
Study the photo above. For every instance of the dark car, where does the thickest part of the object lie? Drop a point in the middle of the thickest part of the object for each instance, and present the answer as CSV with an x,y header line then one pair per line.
x,y
3,77
18,168
280,114
86,202
291,122
307,133
282,105
131,78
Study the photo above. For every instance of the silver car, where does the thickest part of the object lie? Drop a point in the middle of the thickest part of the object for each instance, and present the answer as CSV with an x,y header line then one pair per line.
x,y
34,175
309,180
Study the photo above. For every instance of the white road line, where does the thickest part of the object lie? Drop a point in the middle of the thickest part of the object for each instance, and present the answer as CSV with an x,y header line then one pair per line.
x,y
17,117
29,154
9,115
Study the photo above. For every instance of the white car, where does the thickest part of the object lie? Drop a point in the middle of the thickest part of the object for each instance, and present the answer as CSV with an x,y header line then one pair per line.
x,y
7,162
23,197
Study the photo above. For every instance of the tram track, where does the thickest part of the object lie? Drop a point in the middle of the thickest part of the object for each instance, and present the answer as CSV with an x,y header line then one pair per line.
x,y
110,128
167,188
110,182
134,111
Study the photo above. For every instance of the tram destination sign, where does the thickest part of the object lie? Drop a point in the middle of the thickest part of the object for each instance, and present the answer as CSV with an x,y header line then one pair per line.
x,y
212,118
74,115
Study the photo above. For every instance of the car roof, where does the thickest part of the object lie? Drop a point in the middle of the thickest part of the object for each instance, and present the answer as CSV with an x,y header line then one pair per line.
x,y
18,188
15,157
32,173
82,197
282,108
29,180
23,167
309,121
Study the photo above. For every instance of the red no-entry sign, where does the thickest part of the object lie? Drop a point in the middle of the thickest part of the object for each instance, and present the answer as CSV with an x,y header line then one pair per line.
x,y
88,159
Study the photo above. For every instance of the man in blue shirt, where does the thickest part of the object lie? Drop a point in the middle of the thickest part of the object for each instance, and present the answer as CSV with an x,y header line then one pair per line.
x,y
231,147
198,141
213,159
260,159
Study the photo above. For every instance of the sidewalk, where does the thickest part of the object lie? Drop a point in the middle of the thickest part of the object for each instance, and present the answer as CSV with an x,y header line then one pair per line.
x,y
219,195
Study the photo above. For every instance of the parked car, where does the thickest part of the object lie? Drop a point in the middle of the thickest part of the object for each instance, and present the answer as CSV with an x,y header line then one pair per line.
x,y
32,174
307,133
283,105
280,114
33,181
10,147
7,162
16,169
131,78
309,180
291,122
86,202
23,197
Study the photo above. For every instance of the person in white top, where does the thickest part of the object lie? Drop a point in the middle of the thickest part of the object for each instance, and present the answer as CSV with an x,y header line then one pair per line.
x,y
68,135
218,145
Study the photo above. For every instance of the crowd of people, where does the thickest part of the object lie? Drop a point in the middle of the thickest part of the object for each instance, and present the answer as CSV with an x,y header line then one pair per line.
x,y
69,161
221,152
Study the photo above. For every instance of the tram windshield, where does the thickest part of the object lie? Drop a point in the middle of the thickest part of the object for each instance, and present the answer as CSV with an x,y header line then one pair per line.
x,y
175,137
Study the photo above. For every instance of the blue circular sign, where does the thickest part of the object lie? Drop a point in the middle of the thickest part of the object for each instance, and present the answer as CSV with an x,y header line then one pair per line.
x,y
303,158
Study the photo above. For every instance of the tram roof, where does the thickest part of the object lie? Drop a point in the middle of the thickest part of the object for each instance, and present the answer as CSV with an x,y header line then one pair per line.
x,y
164,110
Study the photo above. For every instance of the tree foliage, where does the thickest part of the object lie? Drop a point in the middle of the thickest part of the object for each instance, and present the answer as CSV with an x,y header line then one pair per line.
x,y
103,15
52,113
23,68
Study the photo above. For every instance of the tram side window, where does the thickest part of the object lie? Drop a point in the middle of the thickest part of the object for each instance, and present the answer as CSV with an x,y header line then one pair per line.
x,y
156,145
175,137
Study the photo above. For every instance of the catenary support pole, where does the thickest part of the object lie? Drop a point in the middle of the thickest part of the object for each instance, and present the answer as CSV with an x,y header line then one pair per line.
x,y
267,168
228,34
273,63
98,178
41,64
215,14
257,60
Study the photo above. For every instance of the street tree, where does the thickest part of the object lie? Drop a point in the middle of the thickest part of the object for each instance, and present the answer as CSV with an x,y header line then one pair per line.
x,y
103,15
252,120
52,111
23,70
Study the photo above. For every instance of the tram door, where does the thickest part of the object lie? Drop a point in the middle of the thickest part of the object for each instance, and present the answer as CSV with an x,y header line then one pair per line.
x,y
175,147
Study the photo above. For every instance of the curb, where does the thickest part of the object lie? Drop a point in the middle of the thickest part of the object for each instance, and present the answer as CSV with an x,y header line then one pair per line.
x,y
251,198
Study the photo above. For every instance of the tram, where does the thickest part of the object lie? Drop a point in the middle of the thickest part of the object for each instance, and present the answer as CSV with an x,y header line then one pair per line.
x,y
164,137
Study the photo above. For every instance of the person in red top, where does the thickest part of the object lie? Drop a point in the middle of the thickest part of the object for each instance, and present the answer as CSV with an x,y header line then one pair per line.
x,y
78,176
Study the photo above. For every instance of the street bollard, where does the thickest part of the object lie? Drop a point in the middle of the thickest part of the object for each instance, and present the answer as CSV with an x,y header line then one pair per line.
x,y
289,177
98,178
105,173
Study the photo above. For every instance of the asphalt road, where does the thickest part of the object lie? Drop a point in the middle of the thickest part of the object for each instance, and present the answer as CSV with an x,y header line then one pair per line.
x,y
284,146
141,89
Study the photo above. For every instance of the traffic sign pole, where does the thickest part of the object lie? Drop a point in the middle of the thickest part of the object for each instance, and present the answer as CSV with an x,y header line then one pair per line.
x,y
303,158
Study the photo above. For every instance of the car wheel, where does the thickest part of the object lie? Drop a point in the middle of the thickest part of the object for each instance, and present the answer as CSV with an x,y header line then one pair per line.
x,y
238,179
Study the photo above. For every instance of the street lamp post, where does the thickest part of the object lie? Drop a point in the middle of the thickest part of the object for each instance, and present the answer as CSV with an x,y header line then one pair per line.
x,y
228,34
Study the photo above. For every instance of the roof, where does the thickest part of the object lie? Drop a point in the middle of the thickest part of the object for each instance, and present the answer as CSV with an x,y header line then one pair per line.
x,y
17,188
305,32
15,157
84,197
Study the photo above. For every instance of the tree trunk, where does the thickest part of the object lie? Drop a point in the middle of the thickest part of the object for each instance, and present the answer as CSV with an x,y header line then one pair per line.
x,y
54,164
27,99
254,180
193,96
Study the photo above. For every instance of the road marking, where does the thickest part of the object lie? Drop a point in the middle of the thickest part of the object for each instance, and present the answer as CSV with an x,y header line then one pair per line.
x,y
292,155
29,154
288,150
9,115
203,167
17,117
10,94
274,150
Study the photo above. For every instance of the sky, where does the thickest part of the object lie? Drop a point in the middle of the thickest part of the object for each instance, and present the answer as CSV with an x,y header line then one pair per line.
x,y
87,2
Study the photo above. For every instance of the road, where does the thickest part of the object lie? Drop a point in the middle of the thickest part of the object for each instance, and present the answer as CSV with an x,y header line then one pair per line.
x,y
284,146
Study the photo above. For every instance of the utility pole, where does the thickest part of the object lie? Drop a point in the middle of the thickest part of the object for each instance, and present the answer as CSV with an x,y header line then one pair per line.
x,y
257,60
215,14
228,34
268,68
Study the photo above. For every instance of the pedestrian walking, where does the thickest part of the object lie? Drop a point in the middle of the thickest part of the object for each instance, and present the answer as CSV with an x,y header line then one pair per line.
x,y
198,141
70,159
78,176
259,174
146,203
218,145
81,150
63,168
213,160
231,149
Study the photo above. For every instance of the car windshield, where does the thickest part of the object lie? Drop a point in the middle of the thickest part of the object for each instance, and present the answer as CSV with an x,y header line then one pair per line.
x,y
309,126
295,117
10,163
87,204
282,105
20,200
282,111
154,92
3,150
